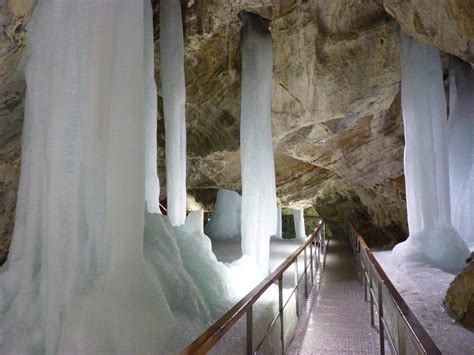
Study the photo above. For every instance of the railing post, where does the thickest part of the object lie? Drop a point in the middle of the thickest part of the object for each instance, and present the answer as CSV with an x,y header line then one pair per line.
x,y
401,338
381,327
297,296
280,309
365,275
371,288
250,330
305,274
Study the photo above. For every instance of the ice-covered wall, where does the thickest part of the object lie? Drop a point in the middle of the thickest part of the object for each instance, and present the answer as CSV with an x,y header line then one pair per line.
x,y
298,217
174,98
432,237
256,151
225,219
461,147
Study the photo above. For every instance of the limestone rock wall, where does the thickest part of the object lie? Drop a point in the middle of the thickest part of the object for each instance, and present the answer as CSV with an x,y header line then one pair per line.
x,y
14,16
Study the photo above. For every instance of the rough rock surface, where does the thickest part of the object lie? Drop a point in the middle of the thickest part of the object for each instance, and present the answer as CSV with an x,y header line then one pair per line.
x,y
445,24
337,130
459,298
14,16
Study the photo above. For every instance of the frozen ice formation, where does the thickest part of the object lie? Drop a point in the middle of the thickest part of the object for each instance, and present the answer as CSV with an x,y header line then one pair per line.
x,y
225,220
432,237
279,232
89,270
256,151
298,217
461,147
152,184
174,98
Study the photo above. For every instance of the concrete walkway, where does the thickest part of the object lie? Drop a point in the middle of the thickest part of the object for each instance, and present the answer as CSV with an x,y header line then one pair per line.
x,y
338,318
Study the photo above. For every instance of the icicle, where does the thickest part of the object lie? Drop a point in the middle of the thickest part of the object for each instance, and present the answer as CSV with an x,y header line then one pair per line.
x,y
257,164
279,232
298,216
152,184
225,220
432,237
461,147
174,98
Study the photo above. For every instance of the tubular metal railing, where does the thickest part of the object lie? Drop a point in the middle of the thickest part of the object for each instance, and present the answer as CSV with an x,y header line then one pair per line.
x,y
317,244
397,323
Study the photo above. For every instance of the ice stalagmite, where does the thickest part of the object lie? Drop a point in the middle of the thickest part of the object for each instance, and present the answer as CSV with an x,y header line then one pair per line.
x,y
461,147
298,216
257,164
432,237
279,232
174,98
225,220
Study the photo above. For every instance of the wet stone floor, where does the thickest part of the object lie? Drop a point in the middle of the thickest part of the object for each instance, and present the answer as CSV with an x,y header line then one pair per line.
x,y
337,320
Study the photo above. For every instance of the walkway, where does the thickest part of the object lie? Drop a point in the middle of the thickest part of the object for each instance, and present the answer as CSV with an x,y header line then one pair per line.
x,y
338,318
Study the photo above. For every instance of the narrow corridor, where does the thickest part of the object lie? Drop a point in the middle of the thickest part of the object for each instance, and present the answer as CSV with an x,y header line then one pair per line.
x,y
338,318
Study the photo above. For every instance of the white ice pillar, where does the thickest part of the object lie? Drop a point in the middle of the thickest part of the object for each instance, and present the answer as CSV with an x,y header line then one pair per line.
x,y
174,99
256,151
432,237
279,232
152,184
461,147
298,216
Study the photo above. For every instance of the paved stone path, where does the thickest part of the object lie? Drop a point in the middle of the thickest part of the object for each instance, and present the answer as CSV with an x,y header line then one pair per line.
x,y
337,320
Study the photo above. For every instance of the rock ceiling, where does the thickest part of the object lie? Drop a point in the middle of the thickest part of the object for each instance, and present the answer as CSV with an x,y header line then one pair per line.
x,y
337,128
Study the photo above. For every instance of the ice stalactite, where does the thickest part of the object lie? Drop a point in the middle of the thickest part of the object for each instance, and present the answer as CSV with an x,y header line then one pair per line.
x,y
152,184
256,151
279,232
298,217
432,237
225,220
174,98
461,147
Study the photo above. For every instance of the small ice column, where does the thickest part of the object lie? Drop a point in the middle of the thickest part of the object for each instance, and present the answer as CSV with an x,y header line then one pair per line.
x,y
432,237
279,232
461,147
225,220
256,151
298,216
152,184
174,98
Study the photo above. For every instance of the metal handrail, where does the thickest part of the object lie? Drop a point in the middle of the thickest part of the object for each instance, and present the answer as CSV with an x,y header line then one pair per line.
x,y
205,342
407,335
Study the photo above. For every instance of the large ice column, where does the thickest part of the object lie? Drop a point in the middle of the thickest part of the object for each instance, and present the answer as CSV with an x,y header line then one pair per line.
x,y
257,164
461,147
225,220
432,237
174,99
279,232
152,184
298,217
80,212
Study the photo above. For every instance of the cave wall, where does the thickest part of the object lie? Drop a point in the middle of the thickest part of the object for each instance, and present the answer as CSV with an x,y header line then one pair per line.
x,y
337,127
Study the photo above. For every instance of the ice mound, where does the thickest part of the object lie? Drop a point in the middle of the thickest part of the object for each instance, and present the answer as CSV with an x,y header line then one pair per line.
x,y
225,220
431,247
